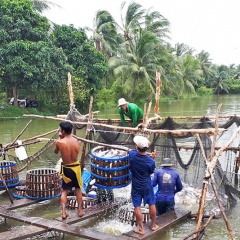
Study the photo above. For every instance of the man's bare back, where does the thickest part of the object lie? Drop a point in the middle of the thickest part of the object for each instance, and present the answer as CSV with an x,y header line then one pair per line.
x,y
69,147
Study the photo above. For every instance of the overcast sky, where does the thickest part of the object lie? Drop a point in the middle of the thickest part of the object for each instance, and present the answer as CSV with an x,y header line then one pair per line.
x,y
209,25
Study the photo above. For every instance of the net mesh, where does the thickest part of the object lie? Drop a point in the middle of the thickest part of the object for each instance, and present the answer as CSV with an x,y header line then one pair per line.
x,y
189,162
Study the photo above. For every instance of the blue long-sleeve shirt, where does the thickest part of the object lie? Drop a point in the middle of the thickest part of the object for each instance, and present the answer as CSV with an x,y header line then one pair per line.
x,y
169,183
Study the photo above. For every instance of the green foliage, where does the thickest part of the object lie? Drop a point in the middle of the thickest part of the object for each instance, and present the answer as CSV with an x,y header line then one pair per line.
x,y
105,99
203,90
28,59
89,64
2,99
234,86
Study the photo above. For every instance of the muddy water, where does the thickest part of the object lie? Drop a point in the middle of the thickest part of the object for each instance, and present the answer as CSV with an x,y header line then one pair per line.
x,y
9,129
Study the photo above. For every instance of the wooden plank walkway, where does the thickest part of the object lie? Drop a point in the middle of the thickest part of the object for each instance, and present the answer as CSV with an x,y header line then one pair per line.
x,y
40,225
163,221
23,233
92,211
59,226
21,203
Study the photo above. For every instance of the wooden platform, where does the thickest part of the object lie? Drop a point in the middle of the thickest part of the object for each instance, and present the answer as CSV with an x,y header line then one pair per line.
x,y
54,225
23,233
40,225
163,221
91,211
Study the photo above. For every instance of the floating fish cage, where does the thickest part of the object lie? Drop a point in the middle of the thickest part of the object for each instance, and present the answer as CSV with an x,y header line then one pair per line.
x,y
9,173
126,214
20,192
110,167
43,184
86,202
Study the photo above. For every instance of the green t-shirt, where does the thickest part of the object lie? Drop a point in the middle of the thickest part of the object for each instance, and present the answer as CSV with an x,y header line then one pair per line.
x,y
133,112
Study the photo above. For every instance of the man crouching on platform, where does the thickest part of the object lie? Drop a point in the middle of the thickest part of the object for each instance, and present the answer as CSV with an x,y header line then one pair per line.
x,y
69,148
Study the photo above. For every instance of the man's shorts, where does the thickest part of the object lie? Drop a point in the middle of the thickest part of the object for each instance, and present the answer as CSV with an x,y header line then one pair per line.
x,y
147,195
68,172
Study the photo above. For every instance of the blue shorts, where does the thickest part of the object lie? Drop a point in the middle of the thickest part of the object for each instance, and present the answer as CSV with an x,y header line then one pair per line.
x,y
147,195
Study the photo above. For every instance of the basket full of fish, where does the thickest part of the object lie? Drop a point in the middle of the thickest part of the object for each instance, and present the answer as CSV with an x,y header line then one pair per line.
x,y
110,167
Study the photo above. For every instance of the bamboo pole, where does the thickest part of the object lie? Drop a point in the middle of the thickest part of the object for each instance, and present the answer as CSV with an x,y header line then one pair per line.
x,y
207,176
160,131
157,95
64,116
89,125
70,91
30,139
91,142
182,117
19,134
201,229
211,166
145,114
6,188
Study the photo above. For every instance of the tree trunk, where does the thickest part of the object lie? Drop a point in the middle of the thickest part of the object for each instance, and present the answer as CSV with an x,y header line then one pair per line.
x,y
15,95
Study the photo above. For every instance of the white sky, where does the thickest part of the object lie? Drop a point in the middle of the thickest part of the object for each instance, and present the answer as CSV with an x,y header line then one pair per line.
x,y
209,25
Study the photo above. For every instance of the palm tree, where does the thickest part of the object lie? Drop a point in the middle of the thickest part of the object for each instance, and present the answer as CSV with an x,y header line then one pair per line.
x,y
182,49
188,74
130,21
205,64
135,65
42,5
219,80
104,33
155,22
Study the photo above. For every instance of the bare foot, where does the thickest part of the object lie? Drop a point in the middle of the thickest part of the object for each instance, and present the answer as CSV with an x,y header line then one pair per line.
x,y
80,213
139,231
64,216
155,227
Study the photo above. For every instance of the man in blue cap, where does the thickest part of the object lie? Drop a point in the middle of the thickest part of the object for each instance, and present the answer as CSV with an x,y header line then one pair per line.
x,y
141,167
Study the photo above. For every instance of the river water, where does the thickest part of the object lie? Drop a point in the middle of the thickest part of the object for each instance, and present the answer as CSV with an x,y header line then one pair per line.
x,y
10,128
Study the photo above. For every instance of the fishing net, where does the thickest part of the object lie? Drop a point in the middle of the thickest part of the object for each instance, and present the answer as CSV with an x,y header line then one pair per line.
x,y
185,152
183,149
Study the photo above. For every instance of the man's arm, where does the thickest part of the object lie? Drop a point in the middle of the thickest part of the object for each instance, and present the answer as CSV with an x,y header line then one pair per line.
x,y
122,117
56,149
154,180
178,185
132,108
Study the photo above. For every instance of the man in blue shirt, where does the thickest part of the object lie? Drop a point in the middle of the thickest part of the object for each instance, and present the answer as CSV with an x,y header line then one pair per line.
x,y
169,183
141,167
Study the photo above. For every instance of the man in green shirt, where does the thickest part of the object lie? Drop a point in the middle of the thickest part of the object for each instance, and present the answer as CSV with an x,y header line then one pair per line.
x,y
130,110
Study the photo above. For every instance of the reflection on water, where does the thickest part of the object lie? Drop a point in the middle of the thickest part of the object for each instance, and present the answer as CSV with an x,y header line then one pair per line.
x,y
110,223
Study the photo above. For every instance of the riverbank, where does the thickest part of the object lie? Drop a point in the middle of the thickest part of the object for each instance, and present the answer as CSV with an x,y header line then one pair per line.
x,y
13,112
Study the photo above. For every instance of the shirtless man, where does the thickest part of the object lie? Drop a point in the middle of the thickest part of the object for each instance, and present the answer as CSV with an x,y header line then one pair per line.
x,y
69,148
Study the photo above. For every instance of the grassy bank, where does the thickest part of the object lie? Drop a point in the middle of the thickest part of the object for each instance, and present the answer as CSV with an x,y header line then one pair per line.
x,y
13,112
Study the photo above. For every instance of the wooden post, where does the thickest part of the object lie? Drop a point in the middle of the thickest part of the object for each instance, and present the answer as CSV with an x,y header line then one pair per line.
x,y
157,95
237,164
145,114
70,91
89,125
211,165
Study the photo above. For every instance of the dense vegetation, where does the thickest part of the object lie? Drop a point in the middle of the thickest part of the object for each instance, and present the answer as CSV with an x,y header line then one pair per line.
x,y
118,60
